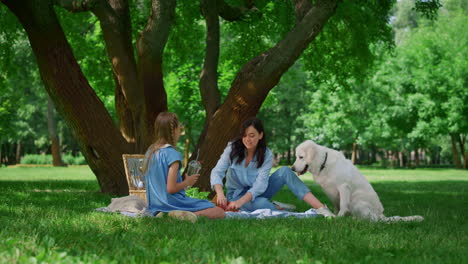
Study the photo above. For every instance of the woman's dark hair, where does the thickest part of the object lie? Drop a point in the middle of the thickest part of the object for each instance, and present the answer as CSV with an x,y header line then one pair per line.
x,y
238,148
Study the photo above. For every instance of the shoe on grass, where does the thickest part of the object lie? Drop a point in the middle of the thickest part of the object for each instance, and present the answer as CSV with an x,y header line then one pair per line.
x,y
160,214
183,215
284,206
325,211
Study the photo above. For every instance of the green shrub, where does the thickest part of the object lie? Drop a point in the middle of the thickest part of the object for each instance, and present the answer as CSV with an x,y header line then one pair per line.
x,y
38,159
80,160
68,159
73,160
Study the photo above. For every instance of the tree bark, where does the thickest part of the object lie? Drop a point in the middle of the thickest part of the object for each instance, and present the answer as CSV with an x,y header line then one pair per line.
x,y
456,157
54,139
18,152
211,97
394,158
114,19
150,47
99,139
402,159
461,143
354,154
416,157
301,7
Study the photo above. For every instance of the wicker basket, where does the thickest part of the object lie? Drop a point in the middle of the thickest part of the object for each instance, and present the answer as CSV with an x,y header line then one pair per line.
x,y
135,177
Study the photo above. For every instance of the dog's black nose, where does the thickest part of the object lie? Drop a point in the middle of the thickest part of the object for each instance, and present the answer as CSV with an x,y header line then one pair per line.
x,y
293,169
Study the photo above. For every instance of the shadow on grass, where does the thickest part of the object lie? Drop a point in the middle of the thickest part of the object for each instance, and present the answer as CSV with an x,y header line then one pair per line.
x,y
445,195
64,210
85,194
76,195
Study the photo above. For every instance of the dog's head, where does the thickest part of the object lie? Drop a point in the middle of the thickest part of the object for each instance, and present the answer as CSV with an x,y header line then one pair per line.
x,y
305,153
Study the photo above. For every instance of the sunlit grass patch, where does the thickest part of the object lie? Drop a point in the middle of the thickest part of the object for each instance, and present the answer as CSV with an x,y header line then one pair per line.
x,y
48,215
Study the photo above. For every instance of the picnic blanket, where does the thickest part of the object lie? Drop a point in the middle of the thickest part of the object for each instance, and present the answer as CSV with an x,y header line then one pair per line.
x,y
268,213
134,206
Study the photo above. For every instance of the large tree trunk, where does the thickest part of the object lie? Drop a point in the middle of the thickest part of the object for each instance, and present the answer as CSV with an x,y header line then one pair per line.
x,y
354,154
253,83
18,152
394,159
456,157
54,139
461,143
99,139
416,157
402,158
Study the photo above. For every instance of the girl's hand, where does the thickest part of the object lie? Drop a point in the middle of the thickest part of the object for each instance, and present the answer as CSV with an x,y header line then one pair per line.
x,y
221,200
191,180
233,206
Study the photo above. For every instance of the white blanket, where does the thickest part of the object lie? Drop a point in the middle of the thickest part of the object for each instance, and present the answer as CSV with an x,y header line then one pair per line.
x,y
134,206
268,213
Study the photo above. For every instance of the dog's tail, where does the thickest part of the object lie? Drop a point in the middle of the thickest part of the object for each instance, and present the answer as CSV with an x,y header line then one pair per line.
x,y
413,218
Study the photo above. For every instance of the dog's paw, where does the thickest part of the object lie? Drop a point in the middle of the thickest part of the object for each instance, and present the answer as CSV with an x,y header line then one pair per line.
x,y
343,213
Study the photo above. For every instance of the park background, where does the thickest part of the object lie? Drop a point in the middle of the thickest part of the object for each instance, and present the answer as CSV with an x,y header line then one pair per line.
x,y
385,82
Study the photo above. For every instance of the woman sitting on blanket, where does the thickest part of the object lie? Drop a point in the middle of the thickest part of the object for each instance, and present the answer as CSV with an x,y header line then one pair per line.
x,y
246,162
165,189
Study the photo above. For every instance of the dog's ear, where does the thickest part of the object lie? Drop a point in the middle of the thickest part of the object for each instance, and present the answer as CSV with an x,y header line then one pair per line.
x,y
311,150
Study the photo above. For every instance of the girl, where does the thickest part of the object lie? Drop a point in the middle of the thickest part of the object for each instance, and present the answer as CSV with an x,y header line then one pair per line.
x,y
246,163
164,185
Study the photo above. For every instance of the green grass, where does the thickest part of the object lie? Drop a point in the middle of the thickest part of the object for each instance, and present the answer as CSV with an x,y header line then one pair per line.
x,y
47,215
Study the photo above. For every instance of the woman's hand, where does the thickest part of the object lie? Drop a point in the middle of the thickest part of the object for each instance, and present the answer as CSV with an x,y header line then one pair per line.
x,y
233,206
221,200
191,180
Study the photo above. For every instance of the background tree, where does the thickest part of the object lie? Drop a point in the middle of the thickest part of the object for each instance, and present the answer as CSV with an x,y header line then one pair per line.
x,y
135,36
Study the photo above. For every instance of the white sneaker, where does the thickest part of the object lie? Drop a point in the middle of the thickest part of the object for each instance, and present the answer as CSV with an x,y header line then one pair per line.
x,y
325,211
160,215
284,206
183,215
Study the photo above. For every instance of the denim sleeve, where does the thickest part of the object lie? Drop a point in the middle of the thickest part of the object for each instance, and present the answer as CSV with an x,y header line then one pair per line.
x,y
219,171
261,183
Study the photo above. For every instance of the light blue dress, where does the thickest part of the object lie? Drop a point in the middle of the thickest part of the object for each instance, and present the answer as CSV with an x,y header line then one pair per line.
x,y
159,200
241,179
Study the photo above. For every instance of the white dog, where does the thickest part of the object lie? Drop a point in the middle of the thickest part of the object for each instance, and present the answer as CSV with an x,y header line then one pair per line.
x,y
346,187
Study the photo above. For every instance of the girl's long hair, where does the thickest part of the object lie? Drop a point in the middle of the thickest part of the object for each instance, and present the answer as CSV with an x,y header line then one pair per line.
x,y
238,148
164,126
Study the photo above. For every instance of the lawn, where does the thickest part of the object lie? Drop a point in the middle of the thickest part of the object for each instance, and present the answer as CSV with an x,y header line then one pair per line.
x,y
47,215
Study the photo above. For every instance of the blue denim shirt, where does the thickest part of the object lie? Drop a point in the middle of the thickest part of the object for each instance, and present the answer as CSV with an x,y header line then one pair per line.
x,y
241,179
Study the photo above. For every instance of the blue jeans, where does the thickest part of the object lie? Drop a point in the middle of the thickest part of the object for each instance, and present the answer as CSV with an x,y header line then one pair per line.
x,y
277,180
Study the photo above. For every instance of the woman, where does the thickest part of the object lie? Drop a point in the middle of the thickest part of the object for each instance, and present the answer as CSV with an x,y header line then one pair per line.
x,y
246,162
165,189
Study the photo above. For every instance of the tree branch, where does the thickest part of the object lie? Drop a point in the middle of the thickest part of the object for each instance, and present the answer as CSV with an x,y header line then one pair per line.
x,y
99,139
150,47
157,29
76,5
301,7
210,94
263,72
115,22
233,13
